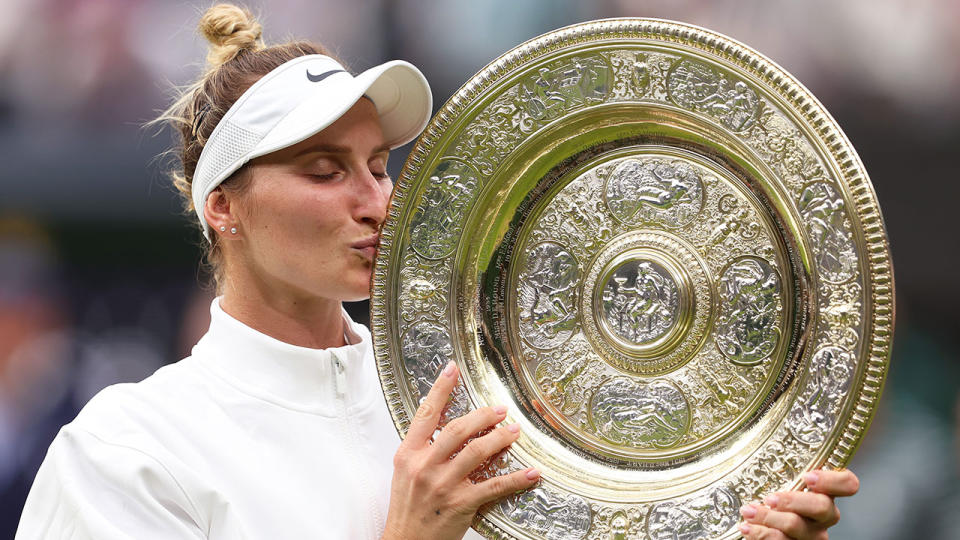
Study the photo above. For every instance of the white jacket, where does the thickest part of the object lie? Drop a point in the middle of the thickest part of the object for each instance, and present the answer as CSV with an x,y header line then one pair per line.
x,y
248,438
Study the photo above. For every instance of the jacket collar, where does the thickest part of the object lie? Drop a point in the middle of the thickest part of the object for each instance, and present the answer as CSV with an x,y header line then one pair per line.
x,y
287,375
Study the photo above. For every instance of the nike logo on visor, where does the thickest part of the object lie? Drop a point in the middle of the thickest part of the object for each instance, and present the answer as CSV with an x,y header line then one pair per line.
x,y
322,76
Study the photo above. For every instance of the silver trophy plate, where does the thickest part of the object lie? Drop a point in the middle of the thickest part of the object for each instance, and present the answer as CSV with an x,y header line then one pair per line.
x,y
660,251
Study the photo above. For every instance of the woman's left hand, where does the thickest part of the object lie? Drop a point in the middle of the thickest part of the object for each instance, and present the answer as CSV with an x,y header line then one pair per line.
x,y
800,515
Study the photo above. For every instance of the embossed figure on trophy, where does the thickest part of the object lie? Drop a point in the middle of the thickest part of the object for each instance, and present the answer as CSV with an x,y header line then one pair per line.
x,y
645,415
696,86
547,295
776,466
739,106
703,518
562,87
725,394
543,95
555,385
436,225
747,330
632,75
652,189
786,148
496,131
582,220
550,515
640,303
717,511
672,187
825,210
843,315
618,526
422,292
733,219
829,380
426,349
640,414
778,463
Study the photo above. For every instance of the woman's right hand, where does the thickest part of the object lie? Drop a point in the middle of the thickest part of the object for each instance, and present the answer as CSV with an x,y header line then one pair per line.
x,y
431,495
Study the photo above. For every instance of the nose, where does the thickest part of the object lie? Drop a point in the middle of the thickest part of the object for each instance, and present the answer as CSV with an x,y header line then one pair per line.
x,y
372,195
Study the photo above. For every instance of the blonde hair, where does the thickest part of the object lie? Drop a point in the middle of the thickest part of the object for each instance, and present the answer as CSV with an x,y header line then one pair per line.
x,y
236,59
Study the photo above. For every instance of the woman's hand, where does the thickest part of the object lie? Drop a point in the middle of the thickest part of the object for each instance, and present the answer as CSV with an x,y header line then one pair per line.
x,y
800,515
431,495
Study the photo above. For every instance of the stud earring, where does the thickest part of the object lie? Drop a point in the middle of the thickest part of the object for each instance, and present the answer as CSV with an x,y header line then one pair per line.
x,y
222,228
233,230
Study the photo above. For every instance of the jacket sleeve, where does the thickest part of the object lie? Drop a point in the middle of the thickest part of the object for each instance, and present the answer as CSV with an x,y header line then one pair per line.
x,y
88,488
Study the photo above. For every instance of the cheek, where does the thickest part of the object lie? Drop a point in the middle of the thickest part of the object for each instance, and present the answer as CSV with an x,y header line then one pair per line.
x,y
386,188
280,223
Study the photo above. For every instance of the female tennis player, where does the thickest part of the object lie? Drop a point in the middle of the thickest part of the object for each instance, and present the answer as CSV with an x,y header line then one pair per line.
x,y
275,426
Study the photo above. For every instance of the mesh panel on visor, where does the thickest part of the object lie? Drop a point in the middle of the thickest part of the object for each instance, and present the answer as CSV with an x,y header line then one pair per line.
x,y
231,143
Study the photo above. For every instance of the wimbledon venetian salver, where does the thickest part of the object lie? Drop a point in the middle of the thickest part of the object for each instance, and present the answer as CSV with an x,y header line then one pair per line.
x,y
662,253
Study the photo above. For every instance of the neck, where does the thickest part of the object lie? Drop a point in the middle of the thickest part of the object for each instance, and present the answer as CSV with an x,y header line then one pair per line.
x,y
293,318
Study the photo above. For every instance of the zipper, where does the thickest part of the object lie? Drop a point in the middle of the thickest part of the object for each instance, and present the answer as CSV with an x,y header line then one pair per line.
x,y
340,377
351,438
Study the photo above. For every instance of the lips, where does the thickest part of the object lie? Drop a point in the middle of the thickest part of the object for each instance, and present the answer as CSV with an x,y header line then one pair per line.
x,y
368,242
367,246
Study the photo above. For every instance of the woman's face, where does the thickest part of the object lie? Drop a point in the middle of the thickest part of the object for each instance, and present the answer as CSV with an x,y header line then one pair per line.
x,y
311,214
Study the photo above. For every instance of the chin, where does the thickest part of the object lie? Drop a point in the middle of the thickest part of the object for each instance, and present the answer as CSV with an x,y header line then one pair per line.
x,y
357,291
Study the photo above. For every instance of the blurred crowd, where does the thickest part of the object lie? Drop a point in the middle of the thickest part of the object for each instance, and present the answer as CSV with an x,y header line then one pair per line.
x,y
99,279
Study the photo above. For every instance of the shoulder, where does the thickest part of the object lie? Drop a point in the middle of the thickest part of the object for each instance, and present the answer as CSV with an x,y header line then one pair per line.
x,y
89,487
115,472
120,459
137,414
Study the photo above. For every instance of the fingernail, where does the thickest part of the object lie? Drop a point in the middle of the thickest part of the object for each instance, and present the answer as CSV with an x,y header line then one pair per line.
x,y
771,500
748,512
533,474
500,409
448,371
514,428
811,478
744,528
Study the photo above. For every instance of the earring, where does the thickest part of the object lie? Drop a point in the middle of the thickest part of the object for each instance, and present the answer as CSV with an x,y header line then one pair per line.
x,y
222,228
233,230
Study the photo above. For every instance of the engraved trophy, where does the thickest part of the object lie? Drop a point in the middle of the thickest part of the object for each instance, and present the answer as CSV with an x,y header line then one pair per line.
x,y
662,253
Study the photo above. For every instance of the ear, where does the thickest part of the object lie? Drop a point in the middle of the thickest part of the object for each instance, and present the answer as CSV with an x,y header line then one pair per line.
x,y
219,213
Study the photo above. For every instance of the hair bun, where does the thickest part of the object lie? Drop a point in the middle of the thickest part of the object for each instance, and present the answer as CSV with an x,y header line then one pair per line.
x,y
229,29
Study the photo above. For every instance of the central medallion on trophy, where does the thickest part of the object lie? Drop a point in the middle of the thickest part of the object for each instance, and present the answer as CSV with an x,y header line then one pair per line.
x,y
639,302
642,302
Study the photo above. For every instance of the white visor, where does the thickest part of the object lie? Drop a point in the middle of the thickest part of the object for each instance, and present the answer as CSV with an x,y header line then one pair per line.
x,y
299,99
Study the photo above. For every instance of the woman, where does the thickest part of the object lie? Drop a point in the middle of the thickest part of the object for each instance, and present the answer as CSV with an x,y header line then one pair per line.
x,y
275,426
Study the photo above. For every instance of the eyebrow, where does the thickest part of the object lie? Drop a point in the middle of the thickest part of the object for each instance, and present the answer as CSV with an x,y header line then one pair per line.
x,y
335,149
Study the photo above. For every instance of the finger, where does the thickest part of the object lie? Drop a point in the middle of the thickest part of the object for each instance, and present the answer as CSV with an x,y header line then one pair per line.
x,y
501,486
424,423
842,483
483,448
816,507
788,523
752,531
456,433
